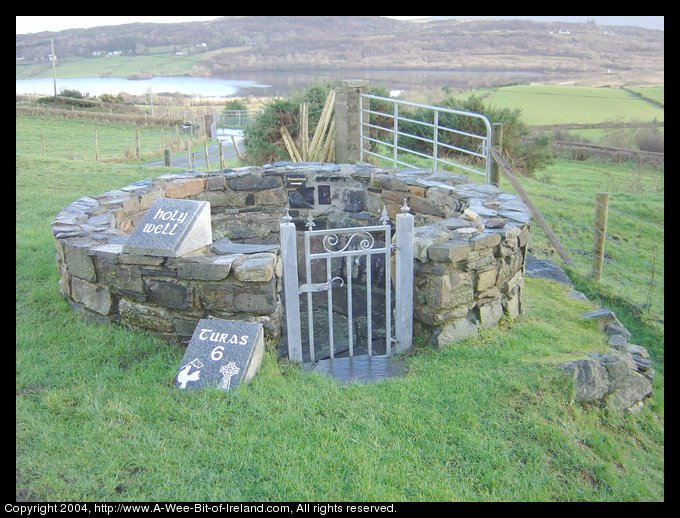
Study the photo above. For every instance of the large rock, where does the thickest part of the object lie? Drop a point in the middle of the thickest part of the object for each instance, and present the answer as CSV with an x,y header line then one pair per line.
x,y
628,391
590,380
611,379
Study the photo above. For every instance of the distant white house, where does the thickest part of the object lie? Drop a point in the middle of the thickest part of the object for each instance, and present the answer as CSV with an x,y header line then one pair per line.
x,y
114,53
564,31
204,44
179,53
96,53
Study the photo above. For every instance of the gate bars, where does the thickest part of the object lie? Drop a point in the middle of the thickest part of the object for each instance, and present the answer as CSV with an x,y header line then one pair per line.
x,y
358,242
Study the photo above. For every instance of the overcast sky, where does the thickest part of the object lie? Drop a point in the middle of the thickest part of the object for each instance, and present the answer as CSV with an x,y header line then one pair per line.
x,y
27,24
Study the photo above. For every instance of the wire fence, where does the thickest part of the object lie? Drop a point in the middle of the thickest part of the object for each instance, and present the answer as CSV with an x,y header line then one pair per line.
x,y
105,143
633,255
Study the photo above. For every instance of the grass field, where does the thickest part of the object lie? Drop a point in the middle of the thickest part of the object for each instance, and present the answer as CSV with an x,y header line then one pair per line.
x,y
74,138
543,104
166,64
653,92
97,417
565,194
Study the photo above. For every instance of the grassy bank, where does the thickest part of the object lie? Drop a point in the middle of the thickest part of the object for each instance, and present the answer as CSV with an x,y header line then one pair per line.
x,y
542,104
97,417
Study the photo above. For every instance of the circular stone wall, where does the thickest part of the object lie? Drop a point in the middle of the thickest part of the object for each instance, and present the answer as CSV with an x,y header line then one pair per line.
x,y
469,249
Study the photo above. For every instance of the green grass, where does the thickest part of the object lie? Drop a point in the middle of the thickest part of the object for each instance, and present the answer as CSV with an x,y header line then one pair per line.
x,y
655,93
74,138
97,417
118,66
565,195
572,104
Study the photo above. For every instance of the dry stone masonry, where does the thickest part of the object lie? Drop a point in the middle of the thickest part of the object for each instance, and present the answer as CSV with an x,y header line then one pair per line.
x,y
620,379
469,249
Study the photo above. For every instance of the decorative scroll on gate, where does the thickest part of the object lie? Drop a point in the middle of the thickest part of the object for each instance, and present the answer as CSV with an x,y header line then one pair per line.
x,y
321,247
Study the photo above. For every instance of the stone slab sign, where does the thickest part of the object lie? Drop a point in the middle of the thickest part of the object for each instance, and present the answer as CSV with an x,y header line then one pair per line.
x,y
222,354
172,228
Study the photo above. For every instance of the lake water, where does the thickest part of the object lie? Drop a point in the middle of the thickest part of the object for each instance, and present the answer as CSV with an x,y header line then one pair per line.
x,y
275,82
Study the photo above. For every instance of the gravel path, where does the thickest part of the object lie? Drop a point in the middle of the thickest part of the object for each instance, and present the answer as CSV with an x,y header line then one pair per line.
x,y
181,159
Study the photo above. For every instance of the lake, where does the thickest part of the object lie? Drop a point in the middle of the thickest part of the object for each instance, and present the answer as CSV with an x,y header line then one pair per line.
x,y
276,82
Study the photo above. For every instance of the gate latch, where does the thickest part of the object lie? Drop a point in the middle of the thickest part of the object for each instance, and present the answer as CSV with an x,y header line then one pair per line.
x,y
321,286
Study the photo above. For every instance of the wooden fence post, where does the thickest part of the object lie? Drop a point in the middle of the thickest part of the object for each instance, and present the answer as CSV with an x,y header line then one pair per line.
x,y
600,232
238,151
138,147
162,138
207,155
96,145
219,145
496,141
166,154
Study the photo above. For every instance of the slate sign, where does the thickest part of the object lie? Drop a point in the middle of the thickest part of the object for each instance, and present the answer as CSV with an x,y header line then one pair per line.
x,y
171,228
296,180
222,354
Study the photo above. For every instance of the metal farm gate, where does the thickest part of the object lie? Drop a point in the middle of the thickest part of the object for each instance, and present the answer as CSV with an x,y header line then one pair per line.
x,y
331,259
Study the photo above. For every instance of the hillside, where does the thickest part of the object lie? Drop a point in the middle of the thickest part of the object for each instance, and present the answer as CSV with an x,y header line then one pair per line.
x,y
558,52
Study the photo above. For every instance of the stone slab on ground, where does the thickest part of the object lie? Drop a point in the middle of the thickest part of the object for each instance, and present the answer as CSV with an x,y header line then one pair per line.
x,y
542,269
361,369
221,354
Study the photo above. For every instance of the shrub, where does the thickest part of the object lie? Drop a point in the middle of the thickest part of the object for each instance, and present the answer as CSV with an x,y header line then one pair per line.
x,y
263,139
235,105
110,98
74,94
650,140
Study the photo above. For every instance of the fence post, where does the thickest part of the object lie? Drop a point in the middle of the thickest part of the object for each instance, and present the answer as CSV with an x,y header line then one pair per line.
x,y
497,141
347,109
162,138
96,145
42,144
207,155
177,133
395,135
238,151
166,154
601,209
138,147
219,145
193,160
404,280
288,241
435,145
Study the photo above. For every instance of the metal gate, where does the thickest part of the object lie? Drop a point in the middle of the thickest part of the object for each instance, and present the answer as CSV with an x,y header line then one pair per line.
x,y
347,246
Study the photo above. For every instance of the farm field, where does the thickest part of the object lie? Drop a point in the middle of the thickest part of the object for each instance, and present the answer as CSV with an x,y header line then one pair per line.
x,y
653,92
166,64
71,138
542,104
487,419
